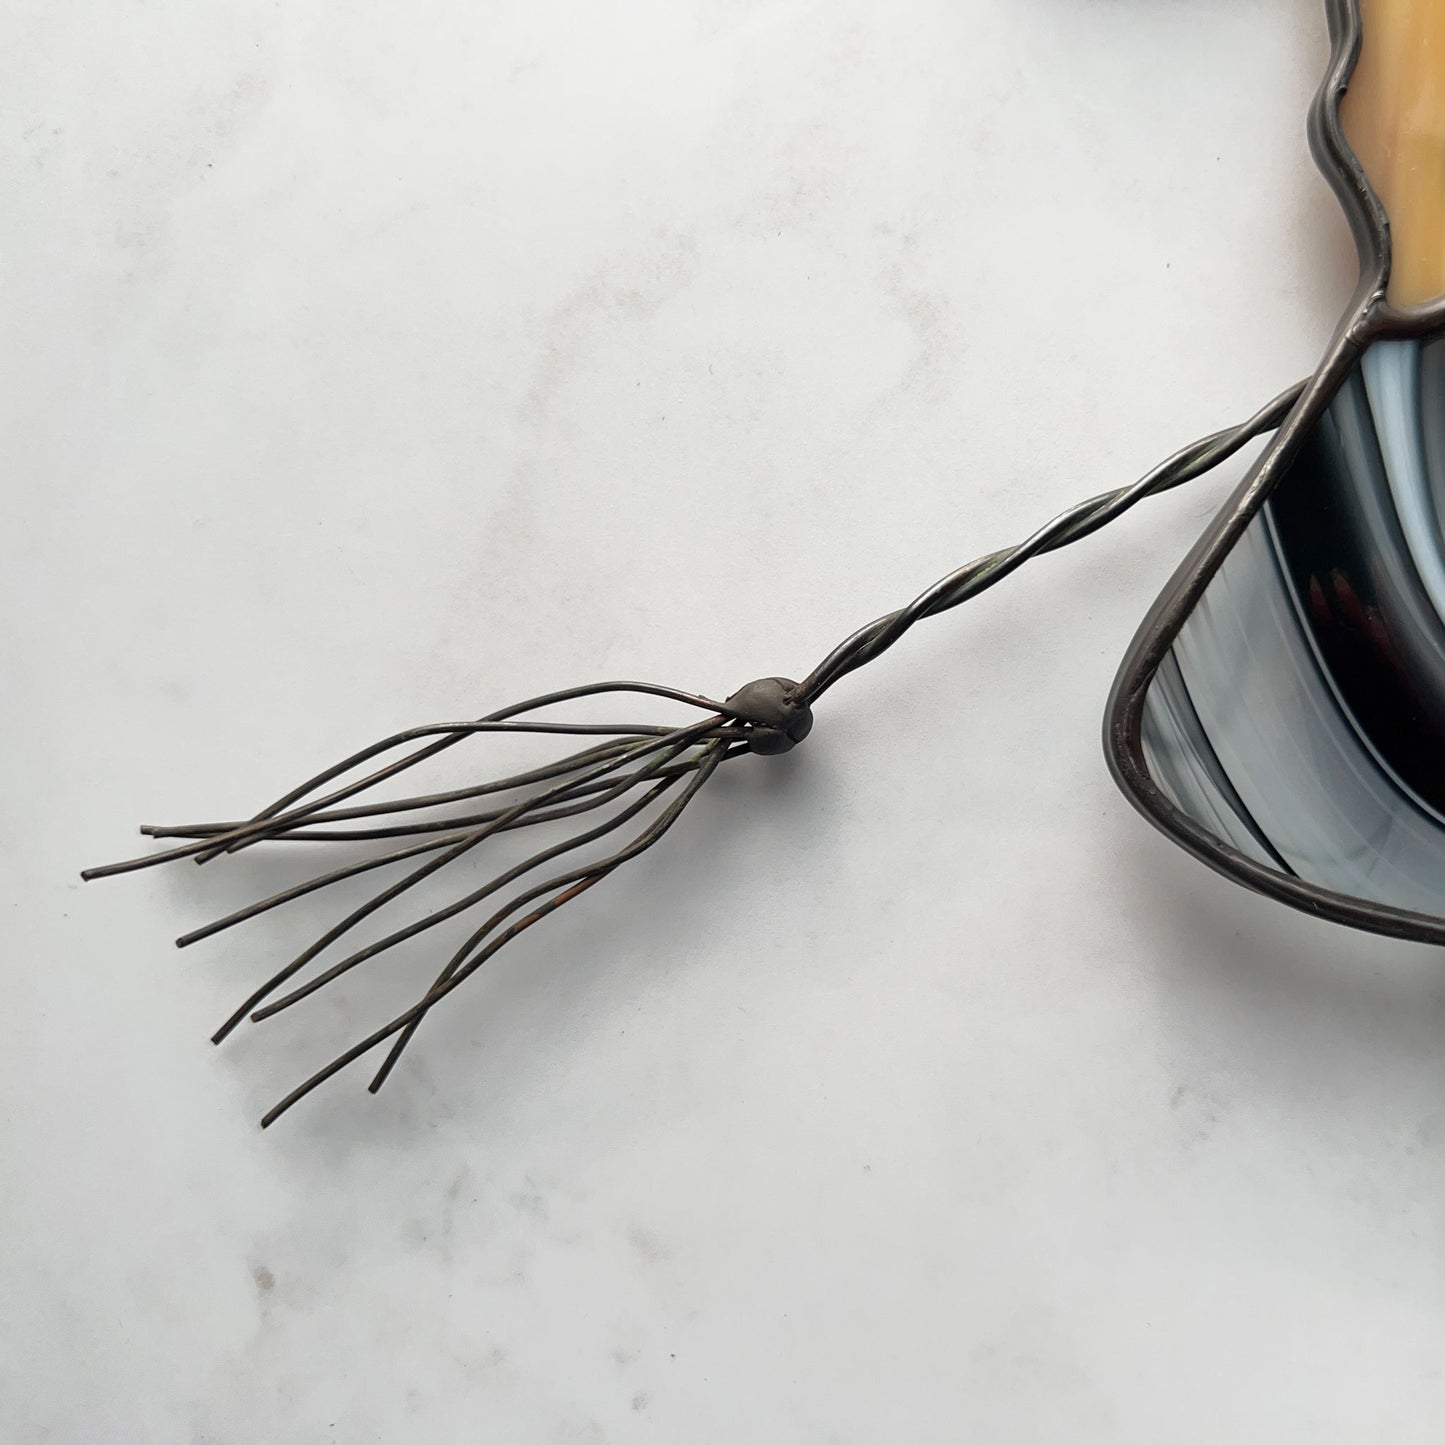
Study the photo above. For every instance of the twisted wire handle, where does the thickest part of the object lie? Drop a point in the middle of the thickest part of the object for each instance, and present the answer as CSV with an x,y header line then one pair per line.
x,y
1080,521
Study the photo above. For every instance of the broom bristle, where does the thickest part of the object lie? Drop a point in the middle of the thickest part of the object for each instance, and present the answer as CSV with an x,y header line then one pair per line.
x,y
652,771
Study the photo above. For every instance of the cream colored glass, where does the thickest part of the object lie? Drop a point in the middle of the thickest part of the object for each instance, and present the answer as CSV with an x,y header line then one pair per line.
x,y
1394,117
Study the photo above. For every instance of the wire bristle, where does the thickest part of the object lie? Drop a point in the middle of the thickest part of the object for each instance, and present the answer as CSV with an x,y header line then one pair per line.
x,y
651,771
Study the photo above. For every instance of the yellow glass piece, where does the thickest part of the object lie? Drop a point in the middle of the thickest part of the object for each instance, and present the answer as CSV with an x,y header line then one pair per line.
x,y
1394,118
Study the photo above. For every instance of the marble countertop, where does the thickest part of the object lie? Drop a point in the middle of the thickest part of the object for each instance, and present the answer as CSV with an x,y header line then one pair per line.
x,y
367,365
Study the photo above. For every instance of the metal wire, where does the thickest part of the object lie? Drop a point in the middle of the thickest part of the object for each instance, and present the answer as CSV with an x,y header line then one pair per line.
x,y
1078,522
648,772
477,950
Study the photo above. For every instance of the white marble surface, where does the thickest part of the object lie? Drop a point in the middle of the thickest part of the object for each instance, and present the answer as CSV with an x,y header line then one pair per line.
x,y
367,364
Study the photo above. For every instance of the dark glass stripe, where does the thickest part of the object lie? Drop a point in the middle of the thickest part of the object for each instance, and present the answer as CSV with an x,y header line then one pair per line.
x,y
1300,715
